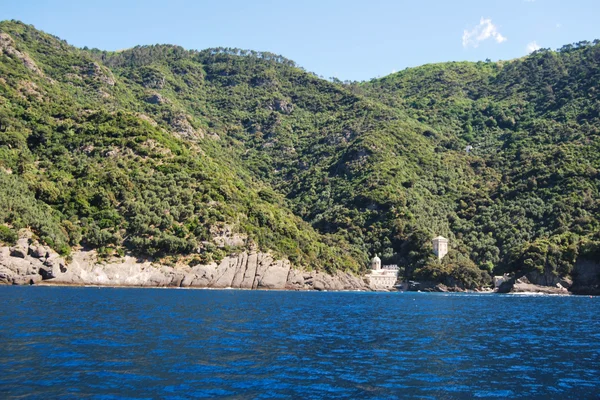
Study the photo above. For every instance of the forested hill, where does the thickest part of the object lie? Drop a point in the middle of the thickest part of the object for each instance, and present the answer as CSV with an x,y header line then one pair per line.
x,y
190,155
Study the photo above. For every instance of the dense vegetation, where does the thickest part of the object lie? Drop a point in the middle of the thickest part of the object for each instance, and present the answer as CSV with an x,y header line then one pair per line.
x,y
163,152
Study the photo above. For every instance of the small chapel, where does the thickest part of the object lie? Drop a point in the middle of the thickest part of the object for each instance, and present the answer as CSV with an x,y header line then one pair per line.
x,y
382,277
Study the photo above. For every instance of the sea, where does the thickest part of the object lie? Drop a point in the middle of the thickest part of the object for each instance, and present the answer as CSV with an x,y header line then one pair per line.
x,y
119,343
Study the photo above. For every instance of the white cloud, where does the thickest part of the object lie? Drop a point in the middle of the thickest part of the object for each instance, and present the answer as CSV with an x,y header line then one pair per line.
x,y
485,30
532,46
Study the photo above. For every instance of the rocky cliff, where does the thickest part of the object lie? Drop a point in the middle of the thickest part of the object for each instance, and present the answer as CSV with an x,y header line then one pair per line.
x,y
545,282
586,277
28,262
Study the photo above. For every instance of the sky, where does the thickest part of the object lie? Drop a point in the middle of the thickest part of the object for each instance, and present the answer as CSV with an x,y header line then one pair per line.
x,y
349,39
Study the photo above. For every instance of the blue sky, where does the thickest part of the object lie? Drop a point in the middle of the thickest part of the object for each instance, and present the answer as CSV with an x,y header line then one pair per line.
x,y
355,40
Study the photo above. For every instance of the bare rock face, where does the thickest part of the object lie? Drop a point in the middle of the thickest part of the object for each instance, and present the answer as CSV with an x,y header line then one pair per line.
x,y
526,287
546,278
147,119
40,252
103,75
321,281
523,285
21,249
156,98
225,272
283,106
240,270
275,275
30,263
319,285
182,127
250,271
19,252
226,236
29,90
586,277
154,80
295,280
7,46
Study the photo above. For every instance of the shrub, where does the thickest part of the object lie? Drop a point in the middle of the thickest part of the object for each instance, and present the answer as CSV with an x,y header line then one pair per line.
x,y
7,235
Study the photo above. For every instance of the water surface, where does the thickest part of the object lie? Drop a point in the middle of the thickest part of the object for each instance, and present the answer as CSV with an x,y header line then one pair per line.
x,y
60,342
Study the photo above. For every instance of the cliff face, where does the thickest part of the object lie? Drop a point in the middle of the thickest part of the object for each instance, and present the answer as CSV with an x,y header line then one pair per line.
x,y
30,263
586,277
585,281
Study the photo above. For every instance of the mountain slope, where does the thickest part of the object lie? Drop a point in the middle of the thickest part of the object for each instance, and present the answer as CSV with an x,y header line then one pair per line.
x,y
108,176
196,154
534,121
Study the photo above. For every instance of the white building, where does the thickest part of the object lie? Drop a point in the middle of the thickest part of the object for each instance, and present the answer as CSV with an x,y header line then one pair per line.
x,y
440,247
376,263
499,280
382,277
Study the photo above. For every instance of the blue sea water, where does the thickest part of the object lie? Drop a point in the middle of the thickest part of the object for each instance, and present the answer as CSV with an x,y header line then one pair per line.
x,y
108,343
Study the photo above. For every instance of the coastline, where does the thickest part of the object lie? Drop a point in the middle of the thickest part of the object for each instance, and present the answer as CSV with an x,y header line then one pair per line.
x,y
29,263
458,293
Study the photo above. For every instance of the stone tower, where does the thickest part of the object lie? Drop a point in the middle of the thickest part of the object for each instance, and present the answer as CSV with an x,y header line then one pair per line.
x,y
376,263
440,247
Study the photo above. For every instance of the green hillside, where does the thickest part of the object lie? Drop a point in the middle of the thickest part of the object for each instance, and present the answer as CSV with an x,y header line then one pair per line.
x,y
162,151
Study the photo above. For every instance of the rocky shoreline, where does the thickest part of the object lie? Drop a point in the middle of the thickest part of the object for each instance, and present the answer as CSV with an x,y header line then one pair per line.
x,y
29,262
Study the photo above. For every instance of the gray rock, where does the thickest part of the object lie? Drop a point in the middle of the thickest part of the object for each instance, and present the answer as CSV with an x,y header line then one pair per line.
x,y
176,279
182,127
157,279
102,74
187,280
56,263
21,266
23,242
250,273
240,270
200,281
295,279
245,270
6,275
531,288
47,272
275,276
18,251
264,262
40,252
441,288
156,98
226,270
31,279
283,106
7,45
566,282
